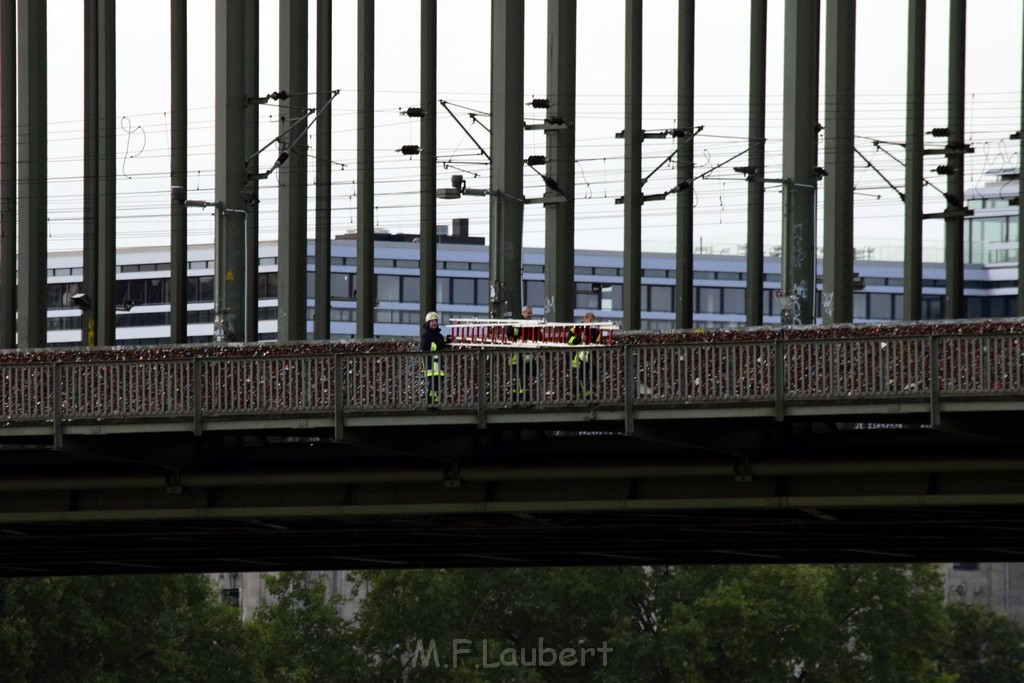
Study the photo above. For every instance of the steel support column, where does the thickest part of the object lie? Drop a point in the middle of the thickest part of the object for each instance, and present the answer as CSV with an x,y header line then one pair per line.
x,y
322,251
179,170
364,172
229,169
103,303
560,218
799,156
684,170
428,157
912,216
840,58
633,167
955,144
252,178
755,159
90,168
99,205
8,171
506,201
1020,204
292,243
32,175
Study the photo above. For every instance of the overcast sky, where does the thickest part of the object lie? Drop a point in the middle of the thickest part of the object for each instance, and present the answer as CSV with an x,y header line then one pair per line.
x,y
721,85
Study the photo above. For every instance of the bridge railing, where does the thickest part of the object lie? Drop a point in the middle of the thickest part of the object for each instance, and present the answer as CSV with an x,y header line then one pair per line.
x,y
486,380
27,392
268,385
489,378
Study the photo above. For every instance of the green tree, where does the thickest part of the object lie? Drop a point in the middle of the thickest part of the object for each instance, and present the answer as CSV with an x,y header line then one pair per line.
x,y
118,628
298,635
520,613
796,623
986,647
723,623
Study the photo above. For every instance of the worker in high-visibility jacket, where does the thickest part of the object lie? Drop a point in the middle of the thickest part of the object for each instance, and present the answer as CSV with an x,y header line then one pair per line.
x,y
583,369
521,363
432,342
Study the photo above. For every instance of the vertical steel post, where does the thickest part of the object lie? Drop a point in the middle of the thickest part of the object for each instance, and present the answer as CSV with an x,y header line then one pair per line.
x,y
179,170
90,168
559,218
1020,204
799,156
8,171
322,251
292,242
633,182
229,162
684,169
250,195
428,157
364,172
32,175
506,201
755,159
955,160
912,216
840,57
103,304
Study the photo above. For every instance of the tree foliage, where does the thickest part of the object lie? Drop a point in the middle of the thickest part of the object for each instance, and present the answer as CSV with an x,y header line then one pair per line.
x,y
985,647
299,635
765,623
711,623
118,628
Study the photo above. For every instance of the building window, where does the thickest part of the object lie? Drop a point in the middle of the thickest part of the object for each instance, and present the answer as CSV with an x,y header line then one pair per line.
x,y
587,300
733,301
142,291
860,306
463,291
933,307
1003,306
342,285
203,316
709,300
975,307
266,286
534,294
970,566
659,298
611,298
388,288
655,272
59,295
410,288
200,289
880,306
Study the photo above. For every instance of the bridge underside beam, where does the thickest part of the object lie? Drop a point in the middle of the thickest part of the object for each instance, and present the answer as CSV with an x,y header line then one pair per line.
x,y
534,500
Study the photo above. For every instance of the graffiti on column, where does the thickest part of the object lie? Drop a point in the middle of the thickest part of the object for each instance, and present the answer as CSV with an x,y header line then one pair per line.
x,y
828,303
797,259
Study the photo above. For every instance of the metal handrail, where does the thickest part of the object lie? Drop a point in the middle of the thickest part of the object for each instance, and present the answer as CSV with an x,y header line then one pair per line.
x,y
771,373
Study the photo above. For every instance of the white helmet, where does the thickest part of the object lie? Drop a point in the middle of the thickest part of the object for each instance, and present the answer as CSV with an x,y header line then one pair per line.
x,y
430,316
